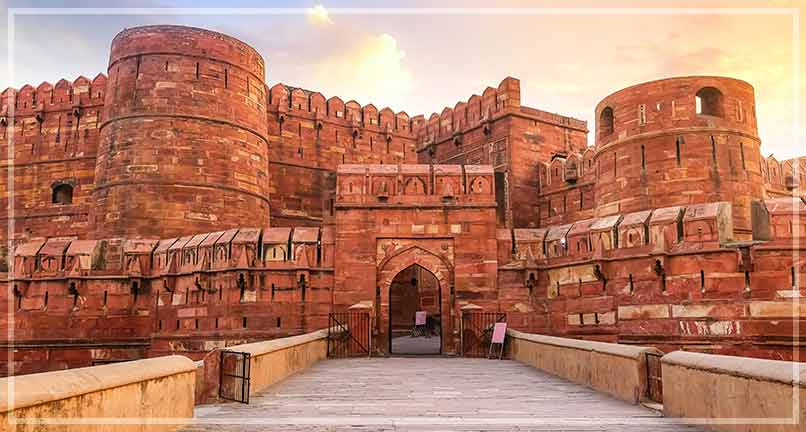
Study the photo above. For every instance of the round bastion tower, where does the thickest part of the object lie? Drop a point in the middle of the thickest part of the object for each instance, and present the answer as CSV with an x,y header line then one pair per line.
x,y
183,148
679,141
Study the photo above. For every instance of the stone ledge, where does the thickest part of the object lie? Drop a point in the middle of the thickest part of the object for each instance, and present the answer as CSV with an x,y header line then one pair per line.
x,y
261,348
41,388
783,372
626,351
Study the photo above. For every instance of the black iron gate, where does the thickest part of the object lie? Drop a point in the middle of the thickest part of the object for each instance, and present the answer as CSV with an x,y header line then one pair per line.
x,y
348,334
233,383
654,377
477,331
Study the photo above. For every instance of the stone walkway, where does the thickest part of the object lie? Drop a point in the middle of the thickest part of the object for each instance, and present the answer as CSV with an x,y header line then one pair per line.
x,y
429,394
421,345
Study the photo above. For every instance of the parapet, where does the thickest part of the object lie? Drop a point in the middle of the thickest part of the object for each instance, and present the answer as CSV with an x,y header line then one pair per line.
x,y
238,248
480,110
189,41
417,185
287,100
665,230
675,103
65,95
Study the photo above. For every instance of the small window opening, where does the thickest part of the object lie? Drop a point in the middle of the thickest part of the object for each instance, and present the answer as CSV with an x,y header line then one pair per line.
x,y
632,286
241,286
615,161
709,102
606,122
794,277
702,281
741,153
62,194
713,149
643,158
279,322
243,322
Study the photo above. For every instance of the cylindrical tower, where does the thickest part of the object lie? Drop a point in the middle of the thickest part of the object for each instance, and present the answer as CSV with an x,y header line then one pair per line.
x,y
679,141
183,147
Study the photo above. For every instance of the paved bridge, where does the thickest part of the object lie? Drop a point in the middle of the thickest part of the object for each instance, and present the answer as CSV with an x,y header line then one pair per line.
x,y
429,393
551,384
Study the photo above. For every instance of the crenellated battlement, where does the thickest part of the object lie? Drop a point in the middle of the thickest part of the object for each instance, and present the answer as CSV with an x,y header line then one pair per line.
x,y
46,97
178,204
479,111
288,100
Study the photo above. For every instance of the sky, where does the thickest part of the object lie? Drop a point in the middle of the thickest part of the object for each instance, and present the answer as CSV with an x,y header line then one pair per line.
x,y
568,54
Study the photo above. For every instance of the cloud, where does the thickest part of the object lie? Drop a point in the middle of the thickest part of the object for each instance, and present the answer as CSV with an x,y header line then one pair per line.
x,y
318,15
372,70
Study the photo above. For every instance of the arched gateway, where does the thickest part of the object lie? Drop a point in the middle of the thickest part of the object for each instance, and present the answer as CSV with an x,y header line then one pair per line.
x,y
412,279
447,229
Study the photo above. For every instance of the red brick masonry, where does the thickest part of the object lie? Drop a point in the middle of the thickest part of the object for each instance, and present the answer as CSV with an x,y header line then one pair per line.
x,y
671,231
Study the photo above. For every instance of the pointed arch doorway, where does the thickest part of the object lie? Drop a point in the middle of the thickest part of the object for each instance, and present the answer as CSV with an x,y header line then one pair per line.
x,y
415,289
439,265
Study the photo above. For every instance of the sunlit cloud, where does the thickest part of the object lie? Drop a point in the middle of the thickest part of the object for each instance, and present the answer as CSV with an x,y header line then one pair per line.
x,y
371,71
319,15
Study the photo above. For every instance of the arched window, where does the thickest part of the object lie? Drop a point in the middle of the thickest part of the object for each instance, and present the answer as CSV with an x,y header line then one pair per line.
x,y
62,194
709,102
606,122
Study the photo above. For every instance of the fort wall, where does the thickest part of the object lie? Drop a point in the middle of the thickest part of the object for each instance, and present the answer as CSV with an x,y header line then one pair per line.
x,y
54,133
495,129
180,205
185,131
679,141
310,136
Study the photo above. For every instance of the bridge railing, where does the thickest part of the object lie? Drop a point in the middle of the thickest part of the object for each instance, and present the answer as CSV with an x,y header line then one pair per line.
x,y
735,393
269,363
156,394
619,370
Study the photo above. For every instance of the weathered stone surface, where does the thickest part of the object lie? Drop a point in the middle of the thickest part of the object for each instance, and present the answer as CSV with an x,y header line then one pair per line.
x,y
206,209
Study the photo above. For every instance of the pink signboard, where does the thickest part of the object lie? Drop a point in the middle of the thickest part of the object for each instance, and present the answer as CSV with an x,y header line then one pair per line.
x,y
419,318
499,332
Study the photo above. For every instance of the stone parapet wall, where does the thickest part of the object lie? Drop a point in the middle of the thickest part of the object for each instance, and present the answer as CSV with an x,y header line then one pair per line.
x,y
155,394
734,393
619,370
270,362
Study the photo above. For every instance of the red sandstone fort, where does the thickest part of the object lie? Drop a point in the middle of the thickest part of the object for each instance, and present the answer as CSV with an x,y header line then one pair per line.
x,y
178,204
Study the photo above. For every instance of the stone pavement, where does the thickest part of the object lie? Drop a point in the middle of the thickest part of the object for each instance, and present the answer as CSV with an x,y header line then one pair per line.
x,y
420,345
429,394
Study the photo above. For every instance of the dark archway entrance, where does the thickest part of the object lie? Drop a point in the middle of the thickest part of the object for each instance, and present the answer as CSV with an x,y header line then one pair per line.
x,y
413,290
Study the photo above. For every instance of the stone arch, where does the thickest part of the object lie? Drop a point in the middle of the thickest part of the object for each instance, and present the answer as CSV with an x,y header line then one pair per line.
x,y
390,266
414,186
479,186
606,122
62,193
709,101
439,266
